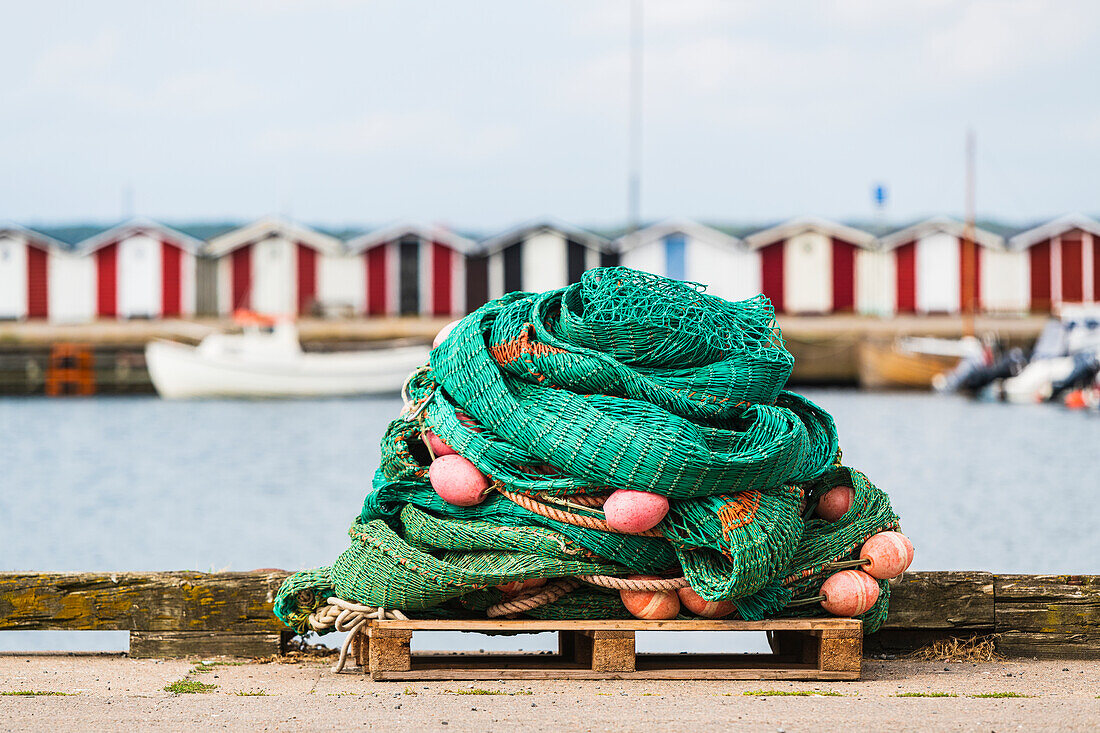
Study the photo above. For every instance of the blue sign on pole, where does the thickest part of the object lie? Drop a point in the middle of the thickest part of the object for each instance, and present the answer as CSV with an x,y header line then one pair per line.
x,y
880,195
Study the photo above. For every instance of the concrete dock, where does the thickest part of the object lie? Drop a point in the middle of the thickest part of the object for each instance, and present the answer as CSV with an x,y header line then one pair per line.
x,y
825,348
114,692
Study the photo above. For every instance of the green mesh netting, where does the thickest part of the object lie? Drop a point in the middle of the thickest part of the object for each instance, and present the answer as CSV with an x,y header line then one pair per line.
x,y
624,380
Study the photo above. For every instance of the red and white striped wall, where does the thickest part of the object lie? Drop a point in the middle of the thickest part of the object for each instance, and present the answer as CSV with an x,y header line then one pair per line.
x,y
1063,262
536,257
273,267
930,269
810,265
27,260
142,270
411,269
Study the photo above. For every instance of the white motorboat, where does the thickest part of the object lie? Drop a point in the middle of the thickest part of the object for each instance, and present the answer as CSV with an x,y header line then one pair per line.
x,y
262,362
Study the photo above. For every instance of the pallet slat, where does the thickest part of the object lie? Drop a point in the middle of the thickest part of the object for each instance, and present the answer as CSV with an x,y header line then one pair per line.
x,y
811,649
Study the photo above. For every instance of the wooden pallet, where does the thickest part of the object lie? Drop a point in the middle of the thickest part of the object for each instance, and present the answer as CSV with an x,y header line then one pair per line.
x,y
71,371
803,649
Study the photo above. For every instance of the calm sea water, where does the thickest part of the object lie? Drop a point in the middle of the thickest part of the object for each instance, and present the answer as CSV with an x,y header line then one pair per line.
x,y
118,484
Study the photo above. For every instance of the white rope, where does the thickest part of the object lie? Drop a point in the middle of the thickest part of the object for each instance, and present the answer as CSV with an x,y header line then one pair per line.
x,y
346,616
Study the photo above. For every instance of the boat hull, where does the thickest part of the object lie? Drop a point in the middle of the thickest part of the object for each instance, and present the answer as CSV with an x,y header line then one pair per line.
x,y
884,366
179,371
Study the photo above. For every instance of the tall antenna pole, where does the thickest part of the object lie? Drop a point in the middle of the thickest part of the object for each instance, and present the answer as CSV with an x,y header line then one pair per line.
x,y
969,255
634,186
128,202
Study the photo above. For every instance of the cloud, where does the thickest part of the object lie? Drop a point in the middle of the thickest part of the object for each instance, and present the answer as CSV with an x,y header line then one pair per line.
x,y
66,65
94,73
421,132
992,37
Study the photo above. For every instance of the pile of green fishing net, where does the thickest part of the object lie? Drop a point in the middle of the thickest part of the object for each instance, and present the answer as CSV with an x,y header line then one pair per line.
x,y
625,380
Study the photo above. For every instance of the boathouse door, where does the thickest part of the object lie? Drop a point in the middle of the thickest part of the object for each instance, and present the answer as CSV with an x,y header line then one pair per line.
x,y
139,277
408,277
937,269
274,284
808,273
13,278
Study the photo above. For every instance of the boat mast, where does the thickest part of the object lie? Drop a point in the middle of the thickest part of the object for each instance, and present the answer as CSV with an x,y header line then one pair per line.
x,y
969,255
634,183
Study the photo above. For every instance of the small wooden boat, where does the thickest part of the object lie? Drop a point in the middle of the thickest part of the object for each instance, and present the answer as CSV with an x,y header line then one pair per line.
x,y
269,363
888,365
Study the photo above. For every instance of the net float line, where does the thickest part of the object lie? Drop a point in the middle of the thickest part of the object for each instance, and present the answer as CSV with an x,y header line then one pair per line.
x,y
540,508
543,596
614,583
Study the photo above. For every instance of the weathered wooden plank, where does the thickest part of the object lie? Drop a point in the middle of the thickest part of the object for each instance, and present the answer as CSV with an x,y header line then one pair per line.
x,y
1049,615
176,601
166,644
1049,645
1035,615
956,601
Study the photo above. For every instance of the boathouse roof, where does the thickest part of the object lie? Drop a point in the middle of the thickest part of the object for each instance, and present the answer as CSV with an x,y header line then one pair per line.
x,y
693,229
938,224
427,232
522,231
1053,228
794,227
272,227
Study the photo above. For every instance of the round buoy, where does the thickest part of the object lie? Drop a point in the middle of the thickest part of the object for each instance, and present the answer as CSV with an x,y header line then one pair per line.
x,y
849,593
835,503
1075,400
890,555
457,481
700,606
518,586
632,511
439,448
651,605
444,333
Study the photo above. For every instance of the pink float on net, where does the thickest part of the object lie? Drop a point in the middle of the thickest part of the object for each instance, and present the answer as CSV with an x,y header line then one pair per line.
x,y
457,481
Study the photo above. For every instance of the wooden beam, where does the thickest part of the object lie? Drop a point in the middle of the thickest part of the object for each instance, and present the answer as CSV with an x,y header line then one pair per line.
x,y
943,601
1053,616
178,601
1033,615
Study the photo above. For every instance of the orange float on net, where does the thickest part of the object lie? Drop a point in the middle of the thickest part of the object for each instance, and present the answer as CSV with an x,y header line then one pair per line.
x,y
634,512
849,593
835,503
700,606
438,447
444,333
518,586
457,481
650,605
888,555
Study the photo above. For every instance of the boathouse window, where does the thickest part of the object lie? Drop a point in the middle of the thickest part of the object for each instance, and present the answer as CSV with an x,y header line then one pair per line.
x,y
409,276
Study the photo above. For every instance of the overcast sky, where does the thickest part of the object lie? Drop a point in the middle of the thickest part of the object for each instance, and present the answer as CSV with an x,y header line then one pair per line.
x,y
483,114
